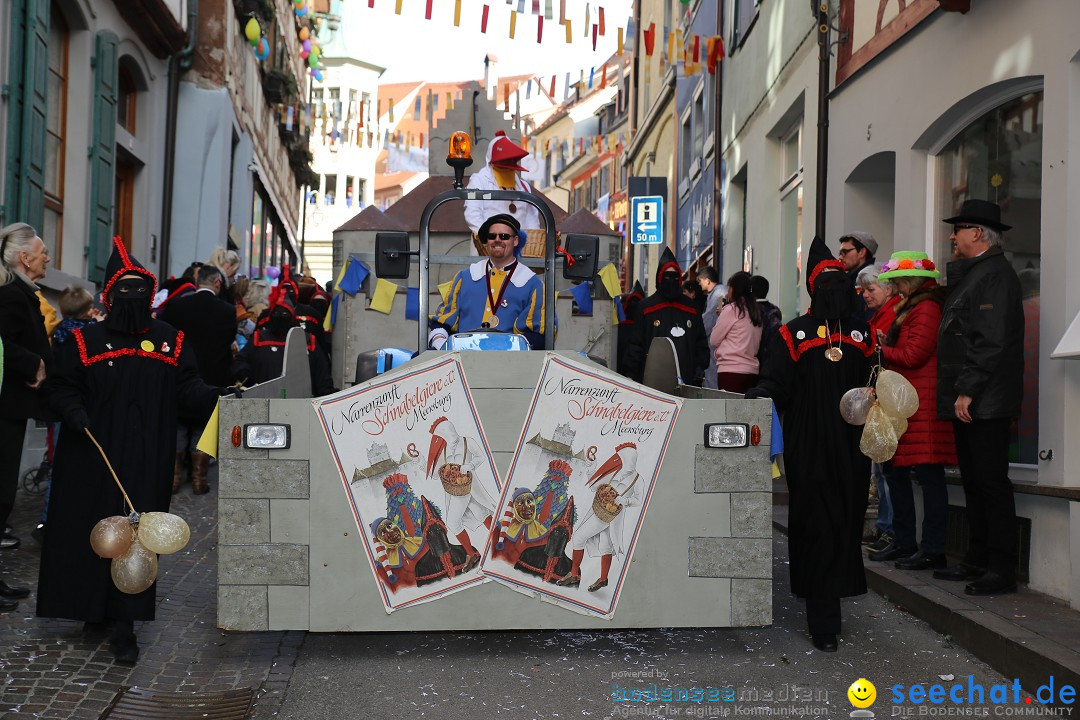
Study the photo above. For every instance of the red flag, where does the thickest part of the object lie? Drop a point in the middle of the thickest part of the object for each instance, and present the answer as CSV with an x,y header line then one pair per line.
x,y
715,53
551,92
697,47
603,78
506,97
539,28
427,12
483,20
594,37
371,3
601,20
650,39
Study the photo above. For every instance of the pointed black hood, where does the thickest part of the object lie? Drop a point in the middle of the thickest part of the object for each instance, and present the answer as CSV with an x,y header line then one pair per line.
x,y
122,263
667,262
817,259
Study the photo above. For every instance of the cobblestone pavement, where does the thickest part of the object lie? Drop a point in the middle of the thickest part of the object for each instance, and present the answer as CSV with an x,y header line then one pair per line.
x,y
51,669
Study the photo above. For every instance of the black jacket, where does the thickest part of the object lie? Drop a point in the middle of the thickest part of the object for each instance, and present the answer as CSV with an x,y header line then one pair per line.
x,y
26,344
209,326
981,338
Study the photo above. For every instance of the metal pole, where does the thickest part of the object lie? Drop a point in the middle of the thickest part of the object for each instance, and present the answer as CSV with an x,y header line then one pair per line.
x,y
822,17
718,197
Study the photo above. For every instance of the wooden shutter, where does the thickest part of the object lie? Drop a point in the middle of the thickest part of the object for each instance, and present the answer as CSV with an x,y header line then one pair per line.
x,y
25,176
103,156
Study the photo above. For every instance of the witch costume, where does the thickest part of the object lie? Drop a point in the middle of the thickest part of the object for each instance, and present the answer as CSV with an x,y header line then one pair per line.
x,y
812,361
125,379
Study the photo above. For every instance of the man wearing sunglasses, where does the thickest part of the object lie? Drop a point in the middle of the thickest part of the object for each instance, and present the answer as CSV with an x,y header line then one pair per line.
x,y
496,293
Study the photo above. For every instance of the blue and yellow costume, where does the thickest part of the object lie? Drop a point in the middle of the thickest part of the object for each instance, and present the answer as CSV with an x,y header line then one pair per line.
x,y
521,309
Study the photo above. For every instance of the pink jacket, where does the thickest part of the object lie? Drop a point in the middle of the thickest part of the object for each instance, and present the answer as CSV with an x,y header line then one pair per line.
x,y
734,342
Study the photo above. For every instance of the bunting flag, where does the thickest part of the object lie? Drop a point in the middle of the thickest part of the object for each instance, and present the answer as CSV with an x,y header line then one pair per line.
x,y
716,52
603,78
609,278
586,19
697,49
289,119
600,19
506,97
360,118
620,38
650,40
547,10
391,109
520,6
457,13
483,20
594,38
569,32
416,109
382,300
535,7
562,11
552,91
412,303
427,11
539,28
513,24
583,297
566,88
352,277
371,3
397,7
528,89
670,47
592,70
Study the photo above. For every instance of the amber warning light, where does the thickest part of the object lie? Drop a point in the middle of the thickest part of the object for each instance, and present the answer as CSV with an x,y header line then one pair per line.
x,y
460,147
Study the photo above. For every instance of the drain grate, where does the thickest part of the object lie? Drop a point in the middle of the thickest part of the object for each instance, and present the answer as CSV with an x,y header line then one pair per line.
x,y
135,703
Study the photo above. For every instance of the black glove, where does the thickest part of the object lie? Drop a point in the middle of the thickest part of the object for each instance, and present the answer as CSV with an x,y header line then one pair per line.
x,y
76,418
230,392
756,392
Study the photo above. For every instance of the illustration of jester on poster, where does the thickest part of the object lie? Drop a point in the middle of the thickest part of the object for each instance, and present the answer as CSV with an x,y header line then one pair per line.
x,y
419,476
579,485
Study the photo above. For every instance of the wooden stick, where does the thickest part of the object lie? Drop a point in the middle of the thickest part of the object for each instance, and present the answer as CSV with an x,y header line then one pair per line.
x,y
109,465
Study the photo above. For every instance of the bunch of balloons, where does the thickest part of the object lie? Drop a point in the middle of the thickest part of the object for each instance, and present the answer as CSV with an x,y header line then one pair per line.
x,y
882,411
253,32
134,542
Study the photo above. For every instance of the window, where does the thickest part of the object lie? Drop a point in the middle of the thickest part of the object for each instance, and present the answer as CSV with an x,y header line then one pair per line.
x,y
349,190
686,146
998,158
55,132
744,13
791,154
791,219
697,150
330,193
126,99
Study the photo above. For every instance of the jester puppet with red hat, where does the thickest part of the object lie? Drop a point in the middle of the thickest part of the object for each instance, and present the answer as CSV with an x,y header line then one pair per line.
x,y
502,172
125,379
812,361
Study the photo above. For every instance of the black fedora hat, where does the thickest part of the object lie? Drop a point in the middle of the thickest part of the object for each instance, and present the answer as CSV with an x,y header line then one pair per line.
x,y
979,212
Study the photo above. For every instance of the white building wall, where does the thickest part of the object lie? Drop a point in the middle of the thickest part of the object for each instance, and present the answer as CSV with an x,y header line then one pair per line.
x,y
914,98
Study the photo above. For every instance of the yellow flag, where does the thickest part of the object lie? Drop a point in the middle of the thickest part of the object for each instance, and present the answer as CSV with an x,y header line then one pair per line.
x,y
614,314
569,39
208,440
620,44
609,277
671,48
775,470
397,8
383,298
457,15
513,24
444,289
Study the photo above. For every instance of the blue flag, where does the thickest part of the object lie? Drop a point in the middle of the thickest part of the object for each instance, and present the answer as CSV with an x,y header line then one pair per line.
x,y
412,303
355,274
333,309
620,312
776,443
583,297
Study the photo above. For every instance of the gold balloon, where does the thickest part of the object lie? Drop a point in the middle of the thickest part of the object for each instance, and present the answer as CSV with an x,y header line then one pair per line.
x,y
112,536
163,533
878,441
135,570
896,394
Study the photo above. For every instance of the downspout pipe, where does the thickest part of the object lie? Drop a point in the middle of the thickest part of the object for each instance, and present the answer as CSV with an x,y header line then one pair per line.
x,y
821,15
178,64
718,122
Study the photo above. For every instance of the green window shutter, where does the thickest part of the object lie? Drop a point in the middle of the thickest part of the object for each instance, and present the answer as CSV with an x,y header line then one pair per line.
x,y
103,156
25,176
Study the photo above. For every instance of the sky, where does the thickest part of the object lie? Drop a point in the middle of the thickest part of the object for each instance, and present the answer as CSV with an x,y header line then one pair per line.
x,y
411,47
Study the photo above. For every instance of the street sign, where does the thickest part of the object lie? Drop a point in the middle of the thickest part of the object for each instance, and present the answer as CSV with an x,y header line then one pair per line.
x,y
647,220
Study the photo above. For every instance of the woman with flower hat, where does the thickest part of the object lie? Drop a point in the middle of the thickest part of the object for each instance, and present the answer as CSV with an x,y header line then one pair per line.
x,y
910,348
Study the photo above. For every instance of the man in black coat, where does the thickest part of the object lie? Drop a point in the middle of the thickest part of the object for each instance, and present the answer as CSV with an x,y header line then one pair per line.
x,y
124,379
209,325
980,386
668,313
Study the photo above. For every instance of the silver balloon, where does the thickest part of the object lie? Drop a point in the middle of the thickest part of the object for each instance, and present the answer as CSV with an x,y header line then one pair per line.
x,y
135,570
878,440
896,394
163,533
112,536
856,404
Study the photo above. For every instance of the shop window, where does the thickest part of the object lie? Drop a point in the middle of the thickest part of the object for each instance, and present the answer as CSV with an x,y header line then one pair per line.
x,y
998,158
55,134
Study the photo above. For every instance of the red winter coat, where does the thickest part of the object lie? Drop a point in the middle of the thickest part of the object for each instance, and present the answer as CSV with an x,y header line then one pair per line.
x,y
884,317
911,349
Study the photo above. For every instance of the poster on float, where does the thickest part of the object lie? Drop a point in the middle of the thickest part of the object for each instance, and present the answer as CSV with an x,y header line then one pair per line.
x,y
579,486
418,474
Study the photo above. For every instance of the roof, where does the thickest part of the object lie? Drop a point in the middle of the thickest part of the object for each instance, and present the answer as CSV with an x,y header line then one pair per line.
x,y
555,447
584,222
371,218
383,466
393,179
405,121
449,217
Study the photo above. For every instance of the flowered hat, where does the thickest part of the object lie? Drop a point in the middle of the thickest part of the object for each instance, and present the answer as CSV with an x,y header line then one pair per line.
x,y
908,263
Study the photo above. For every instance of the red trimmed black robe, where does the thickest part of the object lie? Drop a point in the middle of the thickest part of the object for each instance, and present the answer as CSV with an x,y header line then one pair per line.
x,y
132,387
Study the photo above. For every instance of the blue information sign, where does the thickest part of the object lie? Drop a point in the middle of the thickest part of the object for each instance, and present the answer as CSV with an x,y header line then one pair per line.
x,y
647,220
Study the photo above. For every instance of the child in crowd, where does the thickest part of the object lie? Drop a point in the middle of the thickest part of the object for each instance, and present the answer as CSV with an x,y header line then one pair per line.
x,y
77,309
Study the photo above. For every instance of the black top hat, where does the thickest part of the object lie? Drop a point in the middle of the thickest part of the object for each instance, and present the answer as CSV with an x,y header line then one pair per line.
x,y
979,212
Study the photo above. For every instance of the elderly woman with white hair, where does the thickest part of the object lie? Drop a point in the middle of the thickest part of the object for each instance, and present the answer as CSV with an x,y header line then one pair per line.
x,y
23,259
228,262
881,297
